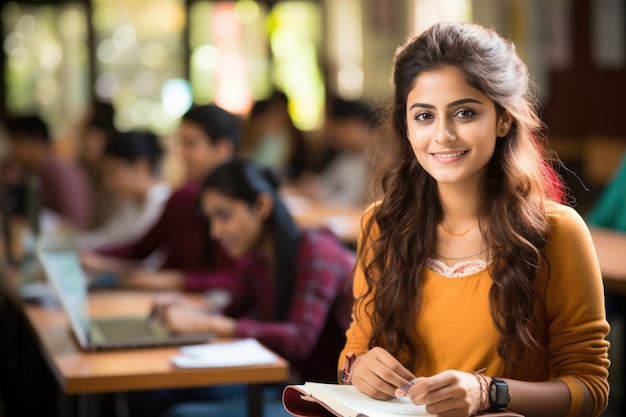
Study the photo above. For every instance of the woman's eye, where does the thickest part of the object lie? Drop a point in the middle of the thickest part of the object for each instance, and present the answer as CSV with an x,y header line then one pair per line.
x,y
223,215
422,117
465,113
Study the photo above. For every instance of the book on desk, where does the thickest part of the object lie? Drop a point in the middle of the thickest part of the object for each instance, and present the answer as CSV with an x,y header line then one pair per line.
x,y
329,400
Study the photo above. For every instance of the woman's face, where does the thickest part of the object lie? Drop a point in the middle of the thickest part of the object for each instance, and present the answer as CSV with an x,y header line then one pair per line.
x,y
452,127
234,224
200,155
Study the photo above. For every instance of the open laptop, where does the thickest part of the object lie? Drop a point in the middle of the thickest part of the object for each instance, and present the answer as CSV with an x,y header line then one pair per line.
x,y
61,265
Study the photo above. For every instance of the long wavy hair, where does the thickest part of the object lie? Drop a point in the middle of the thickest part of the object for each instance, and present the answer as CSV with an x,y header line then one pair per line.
x,y
512,216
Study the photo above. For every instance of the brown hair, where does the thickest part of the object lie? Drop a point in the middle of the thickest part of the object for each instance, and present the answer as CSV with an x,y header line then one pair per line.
x,y
519,180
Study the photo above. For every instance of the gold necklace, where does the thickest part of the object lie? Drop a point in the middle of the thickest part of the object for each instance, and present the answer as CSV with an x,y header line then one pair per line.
x,y
462,257
449,233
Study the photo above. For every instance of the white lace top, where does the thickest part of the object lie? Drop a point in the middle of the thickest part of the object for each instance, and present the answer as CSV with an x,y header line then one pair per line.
x,y
461,269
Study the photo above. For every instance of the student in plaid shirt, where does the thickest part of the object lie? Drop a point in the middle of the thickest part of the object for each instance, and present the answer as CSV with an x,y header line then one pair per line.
x,y
296,293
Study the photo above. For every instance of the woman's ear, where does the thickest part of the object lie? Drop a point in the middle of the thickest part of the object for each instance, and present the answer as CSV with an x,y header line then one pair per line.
x,y
504,124
264,205
226,148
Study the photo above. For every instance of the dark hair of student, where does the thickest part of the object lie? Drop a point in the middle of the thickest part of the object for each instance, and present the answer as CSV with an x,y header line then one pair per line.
x,y
132,146
102,117
244,180
216,123
512,216
29,127
342,109
299,162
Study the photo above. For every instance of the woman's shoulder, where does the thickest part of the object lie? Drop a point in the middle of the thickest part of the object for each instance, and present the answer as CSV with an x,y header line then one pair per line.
x,y
565,222
562,215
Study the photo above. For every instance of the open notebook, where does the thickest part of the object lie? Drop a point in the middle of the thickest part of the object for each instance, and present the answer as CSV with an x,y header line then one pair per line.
x,y
328,400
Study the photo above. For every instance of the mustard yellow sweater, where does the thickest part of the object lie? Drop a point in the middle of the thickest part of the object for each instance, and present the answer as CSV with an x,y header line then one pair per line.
x,y
459,333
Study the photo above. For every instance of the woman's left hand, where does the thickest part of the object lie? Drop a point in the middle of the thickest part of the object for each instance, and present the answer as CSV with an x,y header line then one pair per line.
x,y
448,394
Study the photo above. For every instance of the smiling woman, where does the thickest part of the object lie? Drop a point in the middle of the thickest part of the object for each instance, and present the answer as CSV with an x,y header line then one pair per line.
x,y
461,263
452,127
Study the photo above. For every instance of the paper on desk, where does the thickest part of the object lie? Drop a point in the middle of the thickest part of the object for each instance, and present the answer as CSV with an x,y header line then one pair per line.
x,y
219,355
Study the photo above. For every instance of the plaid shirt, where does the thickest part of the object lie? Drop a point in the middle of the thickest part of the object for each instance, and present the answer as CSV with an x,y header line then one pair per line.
x,y
320,309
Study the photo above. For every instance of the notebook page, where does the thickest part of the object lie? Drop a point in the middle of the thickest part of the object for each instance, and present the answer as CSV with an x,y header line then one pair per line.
x,y
351,398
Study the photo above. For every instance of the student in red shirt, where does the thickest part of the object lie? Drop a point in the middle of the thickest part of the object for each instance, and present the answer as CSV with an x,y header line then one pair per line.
x,y
208,137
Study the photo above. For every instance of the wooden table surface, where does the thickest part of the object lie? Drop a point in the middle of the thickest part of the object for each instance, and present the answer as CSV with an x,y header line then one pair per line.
x,y
133,369
611,250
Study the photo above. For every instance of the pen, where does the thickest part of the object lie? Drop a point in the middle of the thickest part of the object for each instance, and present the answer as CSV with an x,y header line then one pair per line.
x,y
401,392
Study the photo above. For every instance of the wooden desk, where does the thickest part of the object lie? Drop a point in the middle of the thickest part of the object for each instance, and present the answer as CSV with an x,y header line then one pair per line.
x,y
611,250
80,372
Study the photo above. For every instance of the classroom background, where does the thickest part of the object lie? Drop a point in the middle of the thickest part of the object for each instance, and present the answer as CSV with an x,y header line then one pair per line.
x,y
151,60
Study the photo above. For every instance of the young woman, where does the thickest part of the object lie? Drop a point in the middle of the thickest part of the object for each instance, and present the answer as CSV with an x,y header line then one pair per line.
x,y
295,296
130,166
475,288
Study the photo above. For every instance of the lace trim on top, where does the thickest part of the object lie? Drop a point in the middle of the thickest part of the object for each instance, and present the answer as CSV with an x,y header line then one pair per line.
x,y
461,269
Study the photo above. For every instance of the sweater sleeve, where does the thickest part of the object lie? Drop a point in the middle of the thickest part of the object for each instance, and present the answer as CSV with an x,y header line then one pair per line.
x,y
574,298
357,336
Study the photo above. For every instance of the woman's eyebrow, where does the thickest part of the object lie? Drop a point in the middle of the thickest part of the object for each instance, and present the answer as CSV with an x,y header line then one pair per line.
x,y
453,104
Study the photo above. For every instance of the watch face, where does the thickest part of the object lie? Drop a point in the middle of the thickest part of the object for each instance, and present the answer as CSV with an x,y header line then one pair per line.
x,y
498,394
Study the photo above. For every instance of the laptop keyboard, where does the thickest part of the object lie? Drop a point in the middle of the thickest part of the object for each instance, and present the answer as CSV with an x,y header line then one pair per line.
x,y
127,328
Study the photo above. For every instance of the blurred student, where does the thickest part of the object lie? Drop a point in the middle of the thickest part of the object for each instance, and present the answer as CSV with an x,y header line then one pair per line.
x,y
62,186
271,138
609,210
209,136
296,297
95,134
344,178
130,167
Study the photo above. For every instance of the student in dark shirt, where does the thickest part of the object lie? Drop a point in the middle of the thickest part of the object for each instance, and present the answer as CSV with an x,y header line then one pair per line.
x,y
62,185
208,136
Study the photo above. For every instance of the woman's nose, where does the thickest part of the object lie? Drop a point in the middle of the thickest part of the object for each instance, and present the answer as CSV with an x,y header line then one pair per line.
x,y
445,132
214,230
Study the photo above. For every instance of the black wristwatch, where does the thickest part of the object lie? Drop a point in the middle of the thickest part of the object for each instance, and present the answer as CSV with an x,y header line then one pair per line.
x,y
499,396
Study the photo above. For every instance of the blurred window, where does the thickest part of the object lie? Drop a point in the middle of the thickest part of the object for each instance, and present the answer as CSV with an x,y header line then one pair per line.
x,y
238,52
140,57
47,66
241,50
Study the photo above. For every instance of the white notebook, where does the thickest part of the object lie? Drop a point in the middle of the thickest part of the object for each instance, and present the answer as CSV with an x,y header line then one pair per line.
x,y
245,352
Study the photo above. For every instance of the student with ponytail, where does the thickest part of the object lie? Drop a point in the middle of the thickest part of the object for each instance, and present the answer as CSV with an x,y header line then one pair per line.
x,y
296,284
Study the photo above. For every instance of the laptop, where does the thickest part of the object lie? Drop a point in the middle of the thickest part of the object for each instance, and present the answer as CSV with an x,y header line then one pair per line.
x,y
62,268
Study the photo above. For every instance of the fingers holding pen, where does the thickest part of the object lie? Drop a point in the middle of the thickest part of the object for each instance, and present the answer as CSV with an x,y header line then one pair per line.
x,y
378,374
448,394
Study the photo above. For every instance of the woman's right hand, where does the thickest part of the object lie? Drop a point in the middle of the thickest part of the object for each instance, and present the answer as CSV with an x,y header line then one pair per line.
x,y
378,374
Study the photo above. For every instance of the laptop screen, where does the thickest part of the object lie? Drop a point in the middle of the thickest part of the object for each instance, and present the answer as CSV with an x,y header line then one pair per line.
x,y
63,269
